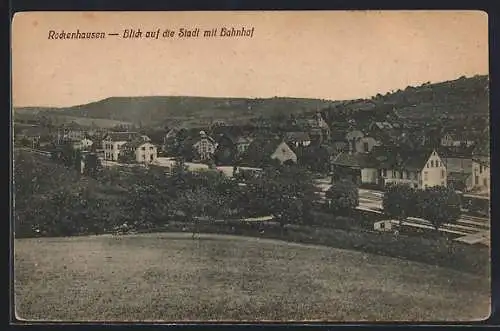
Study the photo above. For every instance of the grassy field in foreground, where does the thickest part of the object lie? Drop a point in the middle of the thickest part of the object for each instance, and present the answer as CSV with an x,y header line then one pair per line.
x,y
171,277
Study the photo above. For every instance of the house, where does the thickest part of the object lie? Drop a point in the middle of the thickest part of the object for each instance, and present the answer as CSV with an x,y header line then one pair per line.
x,y
230,148
263,150
352,137
383,126
384,132
366,144
297,139
71,132
318,129
481,171
458,169
456,140
356,167
205,146
242,143
338,142
481,174
81,144
113,141
418,168
171,134
139,151
358,142
31,136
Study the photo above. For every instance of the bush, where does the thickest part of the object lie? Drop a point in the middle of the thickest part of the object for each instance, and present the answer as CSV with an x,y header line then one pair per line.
x,y
400,201
437,204
343,196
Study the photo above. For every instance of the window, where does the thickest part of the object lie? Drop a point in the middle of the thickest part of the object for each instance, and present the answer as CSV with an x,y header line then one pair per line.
x,y
384,172
152,157
366,148
480,168
442,173
151,148
143,148
143,156
400,174
427,165
394,174
485,182
476,180
432,163
425,175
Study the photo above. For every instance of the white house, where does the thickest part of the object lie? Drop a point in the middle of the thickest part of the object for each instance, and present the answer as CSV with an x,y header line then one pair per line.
x,y
82,144
417,169
113,142
143,151
481,174
298,138
284,153
481,171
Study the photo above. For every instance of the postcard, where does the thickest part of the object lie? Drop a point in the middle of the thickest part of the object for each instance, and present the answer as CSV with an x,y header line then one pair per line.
x,y
251,166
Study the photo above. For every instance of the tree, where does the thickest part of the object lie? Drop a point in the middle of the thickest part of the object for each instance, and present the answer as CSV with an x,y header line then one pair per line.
x,y
343,196
439,205
399,201
68,155
77,161
127,156
92,165
287,193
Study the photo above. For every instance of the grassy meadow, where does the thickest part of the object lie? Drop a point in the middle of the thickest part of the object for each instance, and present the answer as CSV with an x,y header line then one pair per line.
x,y
168,276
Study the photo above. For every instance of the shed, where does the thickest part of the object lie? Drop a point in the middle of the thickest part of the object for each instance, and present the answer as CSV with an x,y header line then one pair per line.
x,y
382,226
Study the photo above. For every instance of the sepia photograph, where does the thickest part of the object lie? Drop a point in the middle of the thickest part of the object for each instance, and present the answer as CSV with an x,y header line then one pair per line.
x,y
250,166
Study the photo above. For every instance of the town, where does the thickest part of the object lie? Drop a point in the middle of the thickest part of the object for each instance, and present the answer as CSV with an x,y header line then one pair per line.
x,y
365,143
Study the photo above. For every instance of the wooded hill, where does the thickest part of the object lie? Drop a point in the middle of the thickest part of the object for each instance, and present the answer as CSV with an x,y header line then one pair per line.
x,y
456,98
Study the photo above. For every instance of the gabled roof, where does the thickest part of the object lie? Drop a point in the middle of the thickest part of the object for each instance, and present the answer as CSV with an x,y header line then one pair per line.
x,y
483,160
454,164
244,140
354,160
383,125
458,136
338,136
235,138
122,136
260,150
401,158
297,136
458,176
134,144
35,132
482,148
204,136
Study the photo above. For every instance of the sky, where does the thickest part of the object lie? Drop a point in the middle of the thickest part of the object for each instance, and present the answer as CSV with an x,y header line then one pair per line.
x,y
336,55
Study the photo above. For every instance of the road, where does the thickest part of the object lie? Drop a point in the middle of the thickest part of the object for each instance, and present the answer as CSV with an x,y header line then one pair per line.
x,y
371,200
